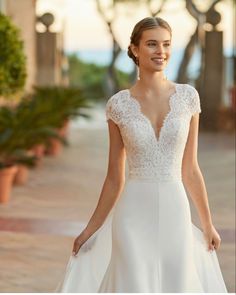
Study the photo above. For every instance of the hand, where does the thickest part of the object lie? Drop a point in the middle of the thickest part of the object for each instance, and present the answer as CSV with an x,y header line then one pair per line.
x,y
78,242
83,242
212,238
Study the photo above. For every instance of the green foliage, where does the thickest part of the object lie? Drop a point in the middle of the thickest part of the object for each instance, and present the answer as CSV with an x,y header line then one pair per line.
x,y
12,58
58,104
90,77
13,140
35,120
34,127
123,79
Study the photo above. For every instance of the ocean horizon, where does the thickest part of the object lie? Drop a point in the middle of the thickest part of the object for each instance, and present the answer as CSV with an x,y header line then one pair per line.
x,y
124,63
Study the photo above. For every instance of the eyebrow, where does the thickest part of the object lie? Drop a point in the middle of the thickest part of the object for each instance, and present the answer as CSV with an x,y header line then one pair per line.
x,y
156,41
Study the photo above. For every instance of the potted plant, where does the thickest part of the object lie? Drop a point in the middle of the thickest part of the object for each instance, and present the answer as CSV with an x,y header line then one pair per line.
x,y
12,61
61,104
35,130
19,132
11,152
12,81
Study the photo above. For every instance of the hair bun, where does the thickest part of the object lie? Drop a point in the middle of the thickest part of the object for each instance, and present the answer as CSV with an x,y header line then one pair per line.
x,y
131,55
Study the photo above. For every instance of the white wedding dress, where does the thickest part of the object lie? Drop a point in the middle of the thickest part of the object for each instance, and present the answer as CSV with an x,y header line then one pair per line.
x,y
148,243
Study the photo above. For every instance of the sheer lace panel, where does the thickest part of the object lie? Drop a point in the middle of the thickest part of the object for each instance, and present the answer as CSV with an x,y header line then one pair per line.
x,y
194,99
147,156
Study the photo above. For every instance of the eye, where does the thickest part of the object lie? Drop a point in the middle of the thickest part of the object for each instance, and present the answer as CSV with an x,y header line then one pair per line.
x,y
167,44
151,44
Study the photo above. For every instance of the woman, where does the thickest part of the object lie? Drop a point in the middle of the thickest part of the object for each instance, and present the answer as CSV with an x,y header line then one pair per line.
x,y
140,237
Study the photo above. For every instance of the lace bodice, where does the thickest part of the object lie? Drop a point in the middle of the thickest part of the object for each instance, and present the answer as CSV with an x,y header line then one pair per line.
x,y
150,156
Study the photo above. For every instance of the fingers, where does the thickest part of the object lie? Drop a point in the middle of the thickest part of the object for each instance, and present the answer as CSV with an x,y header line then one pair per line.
x,y
212,238
84,246
74,252
209,240
210,246
76,248
214,244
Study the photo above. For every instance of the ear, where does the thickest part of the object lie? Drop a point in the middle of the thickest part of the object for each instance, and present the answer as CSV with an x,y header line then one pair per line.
x,y
134,49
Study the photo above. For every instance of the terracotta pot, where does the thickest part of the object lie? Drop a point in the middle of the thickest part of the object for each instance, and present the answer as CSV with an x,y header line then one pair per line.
x,y
21,175
39,151
55,147
63,131
6,179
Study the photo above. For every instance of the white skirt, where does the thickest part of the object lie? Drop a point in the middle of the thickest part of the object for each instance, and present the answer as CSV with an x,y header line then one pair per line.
x,y
148,243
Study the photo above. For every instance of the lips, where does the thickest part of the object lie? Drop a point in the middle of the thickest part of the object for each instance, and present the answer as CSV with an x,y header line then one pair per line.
x,y
158,60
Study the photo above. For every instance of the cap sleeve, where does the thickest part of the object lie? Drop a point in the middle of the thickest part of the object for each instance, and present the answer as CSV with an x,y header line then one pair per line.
x,y
112,109
194,101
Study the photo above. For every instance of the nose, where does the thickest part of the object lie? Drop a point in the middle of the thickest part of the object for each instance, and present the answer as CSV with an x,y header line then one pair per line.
x,y
159,48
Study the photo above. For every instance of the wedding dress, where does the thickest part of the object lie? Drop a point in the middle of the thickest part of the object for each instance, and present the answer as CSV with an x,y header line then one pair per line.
x,y
148,242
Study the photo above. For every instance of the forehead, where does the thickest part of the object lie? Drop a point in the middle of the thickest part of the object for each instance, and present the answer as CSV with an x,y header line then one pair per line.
x,y
158,34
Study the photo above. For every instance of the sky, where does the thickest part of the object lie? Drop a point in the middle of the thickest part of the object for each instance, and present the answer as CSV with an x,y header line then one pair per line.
x,y
84,28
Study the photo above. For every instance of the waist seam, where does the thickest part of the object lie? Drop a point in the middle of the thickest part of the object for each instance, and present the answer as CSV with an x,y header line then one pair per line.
x,y
155,179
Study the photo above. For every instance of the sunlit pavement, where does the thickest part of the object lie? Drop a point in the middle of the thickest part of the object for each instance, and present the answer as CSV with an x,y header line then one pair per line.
x,y
39,224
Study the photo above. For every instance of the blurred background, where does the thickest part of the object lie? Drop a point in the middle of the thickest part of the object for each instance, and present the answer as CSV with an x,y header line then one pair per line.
x,y
60,60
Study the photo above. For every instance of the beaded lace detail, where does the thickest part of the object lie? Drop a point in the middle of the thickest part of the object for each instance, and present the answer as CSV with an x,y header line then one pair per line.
x,y
150,156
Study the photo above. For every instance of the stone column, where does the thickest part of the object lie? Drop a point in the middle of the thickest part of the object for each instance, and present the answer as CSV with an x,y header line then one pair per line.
x,y
46,59
212,91
50,54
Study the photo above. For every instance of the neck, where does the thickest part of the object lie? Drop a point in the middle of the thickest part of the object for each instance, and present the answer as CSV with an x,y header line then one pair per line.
x,y
154,80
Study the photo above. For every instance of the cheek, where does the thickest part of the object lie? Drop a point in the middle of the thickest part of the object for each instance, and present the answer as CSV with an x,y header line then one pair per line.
x,y
168,51
149,52
145,51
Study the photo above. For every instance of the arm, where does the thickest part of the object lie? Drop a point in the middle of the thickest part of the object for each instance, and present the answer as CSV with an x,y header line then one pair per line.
x,y
112,186
195,185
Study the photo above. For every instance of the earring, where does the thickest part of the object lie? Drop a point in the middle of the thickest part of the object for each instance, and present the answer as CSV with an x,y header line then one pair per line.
x,y
136,57
138,77
137,61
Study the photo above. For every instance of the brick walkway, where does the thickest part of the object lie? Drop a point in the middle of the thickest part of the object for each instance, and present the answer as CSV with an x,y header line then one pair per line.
x,y
39,224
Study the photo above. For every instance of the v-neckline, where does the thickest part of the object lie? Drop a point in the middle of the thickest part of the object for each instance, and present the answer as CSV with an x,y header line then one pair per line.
x,y
157,137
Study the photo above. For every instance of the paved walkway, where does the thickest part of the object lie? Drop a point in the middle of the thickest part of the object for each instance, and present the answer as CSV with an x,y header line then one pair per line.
x,y
38,226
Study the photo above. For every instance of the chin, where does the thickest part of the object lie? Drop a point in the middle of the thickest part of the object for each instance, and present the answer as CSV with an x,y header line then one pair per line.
x,y
159,68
